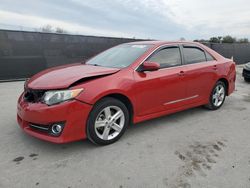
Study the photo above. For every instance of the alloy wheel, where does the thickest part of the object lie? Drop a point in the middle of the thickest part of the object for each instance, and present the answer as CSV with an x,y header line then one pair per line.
x,y
218,95
109,122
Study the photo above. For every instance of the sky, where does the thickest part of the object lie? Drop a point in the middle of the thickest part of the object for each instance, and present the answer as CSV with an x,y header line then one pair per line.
x,y
146,19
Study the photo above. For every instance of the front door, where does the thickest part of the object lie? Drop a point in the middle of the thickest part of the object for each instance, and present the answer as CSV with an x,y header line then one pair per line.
x,y
162,89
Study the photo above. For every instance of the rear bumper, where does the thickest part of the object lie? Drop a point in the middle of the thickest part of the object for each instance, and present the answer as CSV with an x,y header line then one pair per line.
x,y
231,81
73,113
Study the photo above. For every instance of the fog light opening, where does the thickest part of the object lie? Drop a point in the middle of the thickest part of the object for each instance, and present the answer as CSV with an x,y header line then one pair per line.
x,y
56,129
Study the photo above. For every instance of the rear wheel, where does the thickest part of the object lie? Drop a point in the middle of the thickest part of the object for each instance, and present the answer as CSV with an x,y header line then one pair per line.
x,y
107,121
217,96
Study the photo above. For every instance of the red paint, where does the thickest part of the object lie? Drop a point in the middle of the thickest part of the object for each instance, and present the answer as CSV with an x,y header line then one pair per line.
x,y
73,112
150,66
63,76
150,93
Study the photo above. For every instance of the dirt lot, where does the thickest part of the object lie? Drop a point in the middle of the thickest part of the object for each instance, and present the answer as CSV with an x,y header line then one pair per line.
x,y
194,148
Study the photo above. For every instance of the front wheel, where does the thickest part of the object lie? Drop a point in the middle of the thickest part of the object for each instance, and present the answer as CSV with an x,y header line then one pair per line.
x,y
107,121
217,96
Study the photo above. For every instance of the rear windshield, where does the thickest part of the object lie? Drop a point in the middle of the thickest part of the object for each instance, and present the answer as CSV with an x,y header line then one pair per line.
x,y
120,56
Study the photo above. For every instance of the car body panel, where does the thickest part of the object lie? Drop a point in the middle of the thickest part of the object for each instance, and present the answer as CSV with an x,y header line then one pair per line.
x,y
200,79
246,71
64,76
120,83
151,94
156,85
73,113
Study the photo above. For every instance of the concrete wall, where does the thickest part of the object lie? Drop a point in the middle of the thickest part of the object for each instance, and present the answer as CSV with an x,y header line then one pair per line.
x,y
23,54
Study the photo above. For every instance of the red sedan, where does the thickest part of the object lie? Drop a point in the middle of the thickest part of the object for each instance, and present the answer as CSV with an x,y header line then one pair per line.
x,y
126,84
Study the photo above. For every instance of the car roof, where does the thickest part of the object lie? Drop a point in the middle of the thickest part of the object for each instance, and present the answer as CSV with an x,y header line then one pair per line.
x,y
156,42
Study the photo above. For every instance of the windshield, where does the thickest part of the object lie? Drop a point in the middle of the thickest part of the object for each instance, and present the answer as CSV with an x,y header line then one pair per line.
x,y
120,56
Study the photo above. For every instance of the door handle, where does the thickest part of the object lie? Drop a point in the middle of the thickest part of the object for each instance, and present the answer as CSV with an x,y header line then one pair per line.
x,y
181,73
215,67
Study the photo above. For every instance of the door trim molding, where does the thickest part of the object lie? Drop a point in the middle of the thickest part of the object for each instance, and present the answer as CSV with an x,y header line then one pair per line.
x,y
180,100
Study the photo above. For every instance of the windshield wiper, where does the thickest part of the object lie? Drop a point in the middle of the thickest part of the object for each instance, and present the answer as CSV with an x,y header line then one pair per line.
x,y
94,64
84,62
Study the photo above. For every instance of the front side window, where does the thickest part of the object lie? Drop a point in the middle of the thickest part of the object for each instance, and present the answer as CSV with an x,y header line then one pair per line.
x,y
193,55
120,56
167,57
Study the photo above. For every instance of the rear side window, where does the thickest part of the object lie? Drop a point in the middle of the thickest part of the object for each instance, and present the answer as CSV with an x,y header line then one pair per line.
x,y
167,57
193,55
209,57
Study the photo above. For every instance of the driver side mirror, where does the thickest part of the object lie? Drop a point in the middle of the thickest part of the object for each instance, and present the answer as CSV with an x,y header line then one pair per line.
x,y
149,66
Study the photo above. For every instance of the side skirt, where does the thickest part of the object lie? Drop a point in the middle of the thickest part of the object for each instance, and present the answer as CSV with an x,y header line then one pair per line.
x,y
138,119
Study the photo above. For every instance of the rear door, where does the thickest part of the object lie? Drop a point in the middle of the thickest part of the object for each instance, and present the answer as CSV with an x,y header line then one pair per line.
x,y
200,72
162,89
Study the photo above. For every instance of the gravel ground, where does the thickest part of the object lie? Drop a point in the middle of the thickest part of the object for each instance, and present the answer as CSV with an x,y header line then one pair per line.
x,y
193,148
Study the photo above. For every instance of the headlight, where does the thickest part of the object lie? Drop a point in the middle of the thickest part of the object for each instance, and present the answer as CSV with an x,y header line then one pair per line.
x,y
55,97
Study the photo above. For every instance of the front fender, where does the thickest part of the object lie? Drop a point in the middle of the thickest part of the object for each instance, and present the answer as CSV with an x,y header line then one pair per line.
x,y
119,83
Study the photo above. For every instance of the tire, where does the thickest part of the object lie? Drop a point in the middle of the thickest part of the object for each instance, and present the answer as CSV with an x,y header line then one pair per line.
x,y
216,99
107,121
247,79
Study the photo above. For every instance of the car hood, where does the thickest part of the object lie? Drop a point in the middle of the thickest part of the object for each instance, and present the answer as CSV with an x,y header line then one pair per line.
x,y
64,76
247,66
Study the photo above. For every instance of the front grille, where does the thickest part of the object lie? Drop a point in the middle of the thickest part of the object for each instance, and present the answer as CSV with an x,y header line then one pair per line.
x,y
33,96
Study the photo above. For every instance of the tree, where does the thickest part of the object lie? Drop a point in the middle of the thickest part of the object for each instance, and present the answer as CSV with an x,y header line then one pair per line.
x,y
214,40
200,40
228,39
220,38
60,30
243,40
47,29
